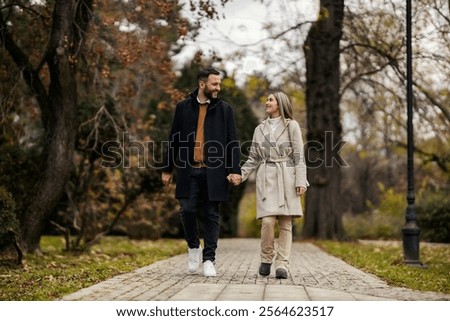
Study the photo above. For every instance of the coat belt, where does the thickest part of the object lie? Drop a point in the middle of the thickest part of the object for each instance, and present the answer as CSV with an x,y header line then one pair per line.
x,y
280,174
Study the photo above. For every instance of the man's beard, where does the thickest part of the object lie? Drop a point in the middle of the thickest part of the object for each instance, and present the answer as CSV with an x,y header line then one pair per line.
x,y
209,94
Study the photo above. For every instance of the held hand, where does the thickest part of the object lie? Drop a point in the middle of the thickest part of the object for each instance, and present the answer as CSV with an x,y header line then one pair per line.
x,y
166,178
300,190
234,179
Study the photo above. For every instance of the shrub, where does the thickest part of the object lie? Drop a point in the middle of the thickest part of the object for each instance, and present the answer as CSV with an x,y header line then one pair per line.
x,y
392,203
9,226
151,217
8,220
386,221
433,215
374,225
382,222
143,229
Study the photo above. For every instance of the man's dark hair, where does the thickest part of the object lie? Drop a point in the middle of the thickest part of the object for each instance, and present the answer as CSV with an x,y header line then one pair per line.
x,y
204,73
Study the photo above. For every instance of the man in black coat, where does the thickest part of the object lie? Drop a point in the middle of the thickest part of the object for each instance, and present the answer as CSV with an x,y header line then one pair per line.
x,y
205,151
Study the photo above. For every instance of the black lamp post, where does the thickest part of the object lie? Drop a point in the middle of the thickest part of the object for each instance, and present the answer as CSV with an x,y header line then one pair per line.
x,y
411,230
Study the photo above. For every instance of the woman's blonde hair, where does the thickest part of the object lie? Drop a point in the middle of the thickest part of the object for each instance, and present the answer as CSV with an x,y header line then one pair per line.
x,y
285,105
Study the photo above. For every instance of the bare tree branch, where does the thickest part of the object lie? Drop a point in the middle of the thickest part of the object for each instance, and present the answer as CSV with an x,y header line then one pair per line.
x,y
436,7
360,76
30,75
442,162
393,61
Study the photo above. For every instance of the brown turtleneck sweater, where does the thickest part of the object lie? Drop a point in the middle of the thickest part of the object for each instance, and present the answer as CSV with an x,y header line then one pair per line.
x,y
199,155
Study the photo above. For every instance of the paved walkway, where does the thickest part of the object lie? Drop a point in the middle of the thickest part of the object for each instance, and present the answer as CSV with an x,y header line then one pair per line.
x,y
314,275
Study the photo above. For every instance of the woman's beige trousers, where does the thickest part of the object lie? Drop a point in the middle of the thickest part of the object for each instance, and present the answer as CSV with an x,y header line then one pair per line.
x,y
282,250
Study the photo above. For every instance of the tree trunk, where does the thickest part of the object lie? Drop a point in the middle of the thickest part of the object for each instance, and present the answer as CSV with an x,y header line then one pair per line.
x,y
70,21
323,218
60,128
58,111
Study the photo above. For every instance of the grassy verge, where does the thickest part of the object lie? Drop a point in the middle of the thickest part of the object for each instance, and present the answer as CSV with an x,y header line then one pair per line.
x,y
59,273
385,260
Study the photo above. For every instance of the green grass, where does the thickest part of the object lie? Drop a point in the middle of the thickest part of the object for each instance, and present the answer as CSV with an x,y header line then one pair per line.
x,y
58,273
385,260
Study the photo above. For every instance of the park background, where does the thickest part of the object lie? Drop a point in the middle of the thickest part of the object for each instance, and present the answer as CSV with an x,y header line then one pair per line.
x,y
88,90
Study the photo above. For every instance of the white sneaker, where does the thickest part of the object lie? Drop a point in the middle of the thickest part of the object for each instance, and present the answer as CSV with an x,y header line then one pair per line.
x,y
209,269
195,257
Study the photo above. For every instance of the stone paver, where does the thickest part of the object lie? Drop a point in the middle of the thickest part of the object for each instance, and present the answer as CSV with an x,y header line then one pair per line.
x,y
314,275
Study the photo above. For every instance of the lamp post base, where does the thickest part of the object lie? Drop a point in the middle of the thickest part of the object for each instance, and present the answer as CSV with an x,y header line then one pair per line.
x,y
411,243
416,264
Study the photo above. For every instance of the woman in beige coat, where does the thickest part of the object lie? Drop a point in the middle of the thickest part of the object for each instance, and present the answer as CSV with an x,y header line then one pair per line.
x,y
277,157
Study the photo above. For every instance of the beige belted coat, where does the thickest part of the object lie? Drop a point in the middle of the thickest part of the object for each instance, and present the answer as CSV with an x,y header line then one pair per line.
x,y
280,167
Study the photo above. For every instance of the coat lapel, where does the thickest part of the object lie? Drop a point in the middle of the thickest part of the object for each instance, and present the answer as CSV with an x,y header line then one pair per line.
x,y
273,143
266,129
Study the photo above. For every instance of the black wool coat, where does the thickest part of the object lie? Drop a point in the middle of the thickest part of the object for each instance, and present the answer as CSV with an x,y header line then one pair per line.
x,y
221,149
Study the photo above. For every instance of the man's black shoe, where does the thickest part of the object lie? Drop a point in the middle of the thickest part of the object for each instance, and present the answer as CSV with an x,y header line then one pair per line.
x,y
281,274
264,269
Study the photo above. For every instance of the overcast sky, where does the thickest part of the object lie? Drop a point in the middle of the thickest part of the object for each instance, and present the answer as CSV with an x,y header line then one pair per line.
x,y
243,25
